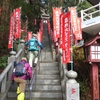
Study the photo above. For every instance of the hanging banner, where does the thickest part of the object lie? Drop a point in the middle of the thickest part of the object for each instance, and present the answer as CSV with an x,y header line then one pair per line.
x,y
61,38
29,35
56,23
17,23
10,42
39,36
78,36
66,44
73,20
48,24
41,25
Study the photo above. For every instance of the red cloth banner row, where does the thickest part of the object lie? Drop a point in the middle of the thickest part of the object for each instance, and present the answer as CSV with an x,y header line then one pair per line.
x,y
56,23
75,24
15,26
65,25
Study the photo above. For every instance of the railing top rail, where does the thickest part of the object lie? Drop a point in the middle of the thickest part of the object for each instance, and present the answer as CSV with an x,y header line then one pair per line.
x,y
18,53
2,75
85,15
91,7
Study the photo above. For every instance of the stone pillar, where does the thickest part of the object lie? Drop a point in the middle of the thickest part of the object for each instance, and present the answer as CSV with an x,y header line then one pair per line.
x,y
63,81
11,59
72,87
22,46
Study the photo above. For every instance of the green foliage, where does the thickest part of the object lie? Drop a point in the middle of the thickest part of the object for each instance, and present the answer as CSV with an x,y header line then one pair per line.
x,y
82,87
82,6
3,28
3,61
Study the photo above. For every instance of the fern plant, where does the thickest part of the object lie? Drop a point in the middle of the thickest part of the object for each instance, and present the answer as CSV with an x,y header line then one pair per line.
x,y
3,61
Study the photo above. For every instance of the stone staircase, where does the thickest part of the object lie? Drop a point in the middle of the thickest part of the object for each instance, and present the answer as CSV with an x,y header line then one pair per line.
x,y
48,86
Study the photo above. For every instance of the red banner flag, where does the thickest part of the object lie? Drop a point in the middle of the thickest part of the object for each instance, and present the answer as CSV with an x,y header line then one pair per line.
x,y
66,48
48,24
10,42
74,20
78,36
61,40
29,35
56,23
17,23
39,36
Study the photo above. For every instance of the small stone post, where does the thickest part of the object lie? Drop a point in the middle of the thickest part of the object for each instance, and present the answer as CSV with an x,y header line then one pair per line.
x,y
22,46
72,87
11,59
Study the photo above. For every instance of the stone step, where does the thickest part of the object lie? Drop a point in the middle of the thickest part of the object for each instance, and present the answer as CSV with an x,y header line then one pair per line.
x,y
49,72
45,82
48,77
46,87
47,64
45,55
39,95
35,99
40,88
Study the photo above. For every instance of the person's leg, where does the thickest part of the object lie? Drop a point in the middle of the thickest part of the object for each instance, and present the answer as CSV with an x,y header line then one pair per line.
x,y
31,58
22,85
36,58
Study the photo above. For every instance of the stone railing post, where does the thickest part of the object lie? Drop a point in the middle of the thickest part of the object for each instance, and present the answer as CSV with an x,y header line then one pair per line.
x,y
22,46
7,76
63,70
11,59
72,87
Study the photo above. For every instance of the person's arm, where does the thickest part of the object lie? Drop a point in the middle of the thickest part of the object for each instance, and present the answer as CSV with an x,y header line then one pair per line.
x,y
27,43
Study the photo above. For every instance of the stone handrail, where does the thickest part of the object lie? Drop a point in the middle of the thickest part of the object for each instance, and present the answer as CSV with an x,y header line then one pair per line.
x,y
5,76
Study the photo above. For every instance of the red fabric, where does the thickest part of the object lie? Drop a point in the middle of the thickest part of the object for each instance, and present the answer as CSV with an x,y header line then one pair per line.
x,y
74,20
10,41
29,35
66,38
17,30
61,41
79,34
56,23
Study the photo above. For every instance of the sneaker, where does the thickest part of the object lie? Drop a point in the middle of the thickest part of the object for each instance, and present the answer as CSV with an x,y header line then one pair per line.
x,y
18,90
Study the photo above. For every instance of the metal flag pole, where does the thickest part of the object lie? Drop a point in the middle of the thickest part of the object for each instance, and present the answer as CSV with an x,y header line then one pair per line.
x,y
71,44
20,31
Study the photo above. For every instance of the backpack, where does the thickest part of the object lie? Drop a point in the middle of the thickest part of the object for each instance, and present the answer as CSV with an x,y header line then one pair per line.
x,y
33,44
19,69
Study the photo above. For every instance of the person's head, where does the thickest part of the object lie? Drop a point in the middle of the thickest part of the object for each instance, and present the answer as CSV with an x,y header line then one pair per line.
x,y
24,59
34,35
